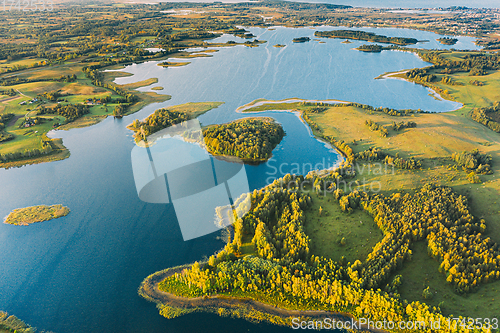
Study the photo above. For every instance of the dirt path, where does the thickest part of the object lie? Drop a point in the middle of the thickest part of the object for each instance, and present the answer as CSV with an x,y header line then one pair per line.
x,y
13,120
8,99
20,93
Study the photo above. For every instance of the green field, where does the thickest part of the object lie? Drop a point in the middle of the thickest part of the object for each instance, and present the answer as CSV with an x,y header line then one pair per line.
x,y
335,234
422,272
22,62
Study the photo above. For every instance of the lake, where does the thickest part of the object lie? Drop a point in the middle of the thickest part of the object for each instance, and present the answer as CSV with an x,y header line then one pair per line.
x,y
80,273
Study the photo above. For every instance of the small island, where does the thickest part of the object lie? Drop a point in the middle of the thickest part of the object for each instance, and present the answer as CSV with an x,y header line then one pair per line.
x,y
366,36
447,40
370,48
279,45
34,214
173,64
251,139
157,88
301,39
347,41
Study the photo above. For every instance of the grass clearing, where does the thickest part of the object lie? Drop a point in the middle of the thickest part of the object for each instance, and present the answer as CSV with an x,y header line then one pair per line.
x,y
335,234
422,272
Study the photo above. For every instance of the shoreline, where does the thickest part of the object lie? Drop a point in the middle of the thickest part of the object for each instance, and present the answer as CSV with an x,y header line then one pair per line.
x,y
235,159
61,152
299,114
150,291
432,89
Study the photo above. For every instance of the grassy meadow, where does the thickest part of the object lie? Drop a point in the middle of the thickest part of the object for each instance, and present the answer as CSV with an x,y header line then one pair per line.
x,y
422,272
436,137
335,234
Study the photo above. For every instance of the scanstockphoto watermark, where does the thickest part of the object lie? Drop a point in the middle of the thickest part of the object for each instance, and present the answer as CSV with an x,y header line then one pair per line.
x,y
364,324
27,5
347,178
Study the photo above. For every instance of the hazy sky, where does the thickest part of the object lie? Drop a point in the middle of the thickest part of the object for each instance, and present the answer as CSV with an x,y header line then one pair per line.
x,y
380,3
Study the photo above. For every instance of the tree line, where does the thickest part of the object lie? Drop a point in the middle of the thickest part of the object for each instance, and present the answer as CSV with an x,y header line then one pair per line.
x,y
488,116
4,119
402,125
10,92
28,153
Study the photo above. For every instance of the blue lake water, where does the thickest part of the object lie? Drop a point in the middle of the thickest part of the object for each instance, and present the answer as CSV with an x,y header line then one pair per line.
x,y
80,273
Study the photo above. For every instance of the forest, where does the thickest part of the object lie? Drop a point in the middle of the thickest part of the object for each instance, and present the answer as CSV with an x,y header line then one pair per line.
x,y
366,36
488,116
474,64
282,271
249,139
370,48
9,323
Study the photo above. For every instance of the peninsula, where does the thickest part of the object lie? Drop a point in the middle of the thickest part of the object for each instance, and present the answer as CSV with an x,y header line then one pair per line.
x,y
163,118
